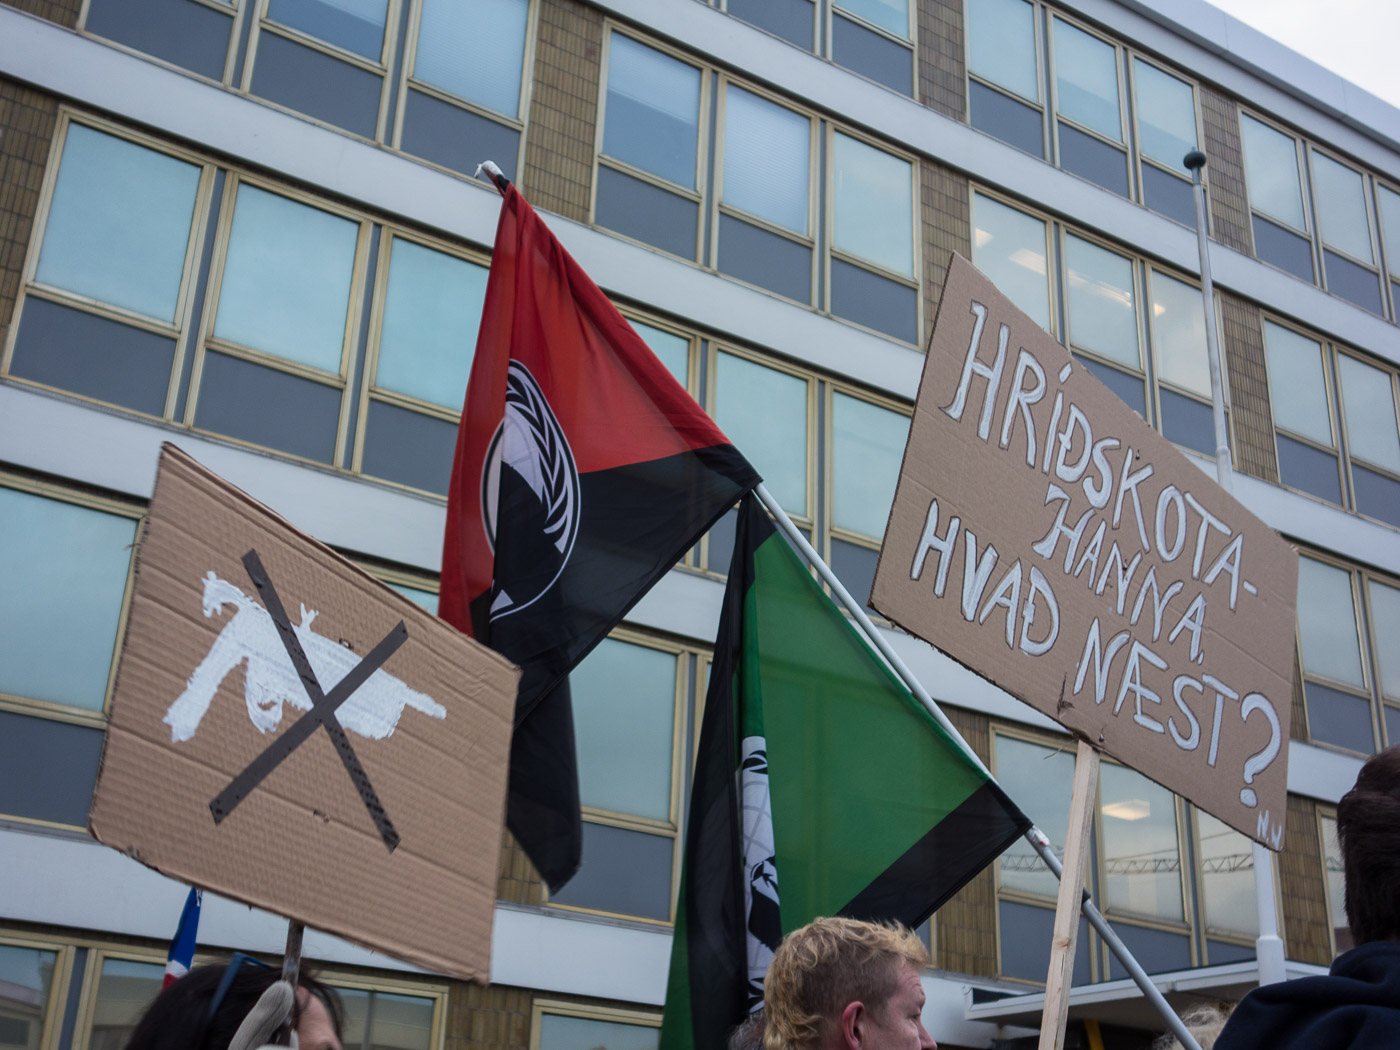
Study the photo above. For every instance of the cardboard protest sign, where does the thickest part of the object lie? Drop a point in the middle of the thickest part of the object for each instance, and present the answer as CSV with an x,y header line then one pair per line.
x,y
1045,536
291,733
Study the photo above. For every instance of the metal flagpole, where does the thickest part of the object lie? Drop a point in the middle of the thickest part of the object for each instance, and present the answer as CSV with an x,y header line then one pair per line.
x,y
1268,947
1034,836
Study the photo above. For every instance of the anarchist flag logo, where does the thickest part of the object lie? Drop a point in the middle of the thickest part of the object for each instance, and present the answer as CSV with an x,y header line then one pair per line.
x,y
529,460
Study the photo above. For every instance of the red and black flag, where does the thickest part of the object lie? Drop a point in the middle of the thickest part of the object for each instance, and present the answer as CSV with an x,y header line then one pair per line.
x,y
583,473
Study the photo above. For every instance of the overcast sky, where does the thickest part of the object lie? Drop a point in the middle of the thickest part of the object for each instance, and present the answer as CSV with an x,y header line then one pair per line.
x,y
1359,39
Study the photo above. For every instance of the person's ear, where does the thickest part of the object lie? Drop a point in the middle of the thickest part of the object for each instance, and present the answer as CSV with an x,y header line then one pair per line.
x,y
853,1019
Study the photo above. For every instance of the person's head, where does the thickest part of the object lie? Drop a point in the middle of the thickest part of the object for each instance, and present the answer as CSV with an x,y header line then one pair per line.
x,y
842,984
179,1017
1368,831
748,1035
1204,1022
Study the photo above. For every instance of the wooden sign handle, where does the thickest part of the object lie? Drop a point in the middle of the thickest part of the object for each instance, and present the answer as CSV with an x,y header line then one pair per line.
x,y
1066,935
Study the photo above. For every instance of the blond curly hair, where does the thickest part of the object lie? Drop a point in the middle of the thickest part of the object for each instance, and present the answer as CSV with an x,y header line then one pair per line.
x,y
827,964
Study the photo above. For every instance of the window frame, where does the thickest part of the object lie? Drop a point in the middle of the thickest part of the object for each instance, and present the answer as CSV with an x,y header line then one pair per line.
x,y
53,1008
1124,145
1100,857
539,1007
697,196
404,81
1330,387
235,10
719,207
1201,916
1369,205
1132,57
1369,691
1042,61
1054,291
1304,171
178,330
1341,427
914,281
1335,908
680,753
1147,359
365,387
350,333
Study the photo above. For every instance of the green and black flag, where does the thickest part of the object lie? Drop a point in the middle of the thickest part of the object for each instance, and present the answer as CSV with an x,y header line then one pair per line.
x,y
822,787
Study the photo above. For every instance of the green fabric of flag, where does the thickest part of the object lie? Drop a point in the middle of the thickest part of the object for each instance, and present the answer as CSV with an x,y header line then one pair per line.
x,y
822,787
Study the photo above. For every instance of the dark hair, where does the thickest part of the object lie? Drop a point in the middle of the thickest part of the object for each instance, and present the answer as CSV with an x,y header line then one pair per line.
x,y
178,1018
1368,831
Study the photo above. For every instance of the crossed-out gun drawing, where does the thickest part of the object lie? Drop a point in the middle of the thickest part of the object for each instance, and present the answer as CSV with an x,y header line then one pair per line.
x,y
269,680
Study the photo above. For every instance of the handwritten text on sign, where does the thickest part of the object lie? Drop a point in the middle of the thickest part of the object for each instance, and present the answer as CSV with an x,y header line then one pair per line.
x,y
1045,536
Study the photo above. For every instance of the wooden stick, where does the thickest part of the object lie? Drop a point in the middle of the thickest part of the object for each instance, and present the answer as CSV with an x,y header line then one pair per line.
x,y
291,972
1066,936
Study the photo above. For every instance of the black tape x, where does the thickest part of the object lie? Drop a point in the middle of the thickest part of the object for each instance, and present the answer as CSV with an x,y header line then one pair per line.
x,y
322,713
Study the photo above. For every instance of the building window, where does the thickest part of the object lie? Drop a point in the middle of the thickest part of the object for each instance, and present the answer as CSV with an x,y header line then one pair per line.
x,y
124,988
872,275
1103,314
866,446
1389,206
574,1026
32,976
383,1015
64,562
1089,125
1167,129
1225,859
629,719
648,174
274,365
1177,317
1011,248
1344,228
764,221
1004,92
452,93
1311,434
1330,642
871,37
464,93
108,287
1273,177
1141,846
428,314
1334,881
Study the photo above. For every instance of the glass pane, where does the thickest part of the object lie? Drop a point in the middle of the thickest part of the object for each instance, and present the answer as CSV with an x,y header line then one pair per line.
x,y
432,310
356,1002
427,599
401,1022
653,114
1001,45
1041,780
1341,207
1385,628
1009,247
286,281
119,224
124,990
1166,112
767,153
1271,172
1327,623
475,51
62,577
583,1033
873,208
624,721
890,15
1369,403
1297,386
1086,81
26,975
1142,864
1179,334
1227,877
764,412
672,349
1389,202
355,25
867,447
623,871
1336,884
1102,317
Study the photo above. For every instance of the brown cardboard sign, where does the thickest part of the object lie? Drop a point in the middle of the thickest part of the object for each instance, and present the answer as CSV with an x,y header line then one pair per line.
x,y
289,732
1046,537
